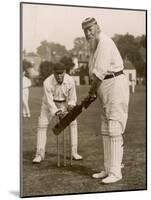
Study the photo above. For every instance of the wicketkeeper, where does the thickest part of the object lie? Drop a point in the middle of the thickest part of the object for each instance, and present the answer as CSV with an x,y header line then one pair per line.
x,y
59,97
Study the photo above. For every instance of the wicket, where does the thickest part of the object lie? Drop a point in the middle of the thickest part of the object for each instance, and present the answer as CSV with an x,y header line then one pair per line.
x,y
64,137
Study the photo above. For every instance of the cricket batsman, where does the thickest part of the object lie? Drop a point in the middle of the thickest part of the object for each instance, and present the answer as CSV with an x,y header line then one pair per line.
x,y
59,97
111,86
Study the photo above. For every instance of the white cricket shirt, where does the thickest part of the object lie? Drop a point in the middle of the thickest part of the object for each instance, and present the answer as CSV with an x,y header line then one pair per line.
x,y
53,91
106,59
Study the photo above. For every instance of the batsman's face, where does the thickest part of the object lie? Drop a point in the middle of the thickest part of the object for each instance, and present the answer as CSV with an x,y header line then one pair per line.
x,y
59,76
91,32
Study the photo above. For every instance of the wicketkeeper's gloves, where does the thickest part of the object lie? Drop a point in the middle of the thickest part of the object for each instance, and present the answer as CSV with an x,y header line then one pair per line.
x,y
60,114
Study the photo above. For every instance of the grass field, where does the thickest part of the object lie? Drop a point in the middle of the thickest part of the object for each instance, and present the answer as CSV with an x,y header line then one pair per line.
x,y
47,179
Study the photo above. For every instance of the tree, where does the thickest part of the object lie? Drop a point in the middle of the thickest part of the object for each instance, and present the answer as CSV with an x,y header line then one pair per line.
x,y
31,54
130,48
81,48
46,69
51,51
59,49
143,41
127,46
42,49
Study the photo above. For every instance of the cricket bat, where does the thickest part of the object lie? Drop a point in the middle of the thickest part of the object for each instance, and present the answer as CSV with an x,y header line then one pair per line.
x,y
72,115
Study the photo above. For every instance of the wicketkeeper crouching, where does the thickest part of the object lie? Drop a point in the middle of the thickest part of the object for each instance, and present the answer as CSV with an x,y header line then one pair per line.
x,y
59,97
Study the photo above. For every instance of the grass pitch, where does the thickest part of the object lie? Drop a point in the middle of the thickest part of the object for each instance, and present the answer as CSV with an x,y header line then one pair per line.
x,y
47,179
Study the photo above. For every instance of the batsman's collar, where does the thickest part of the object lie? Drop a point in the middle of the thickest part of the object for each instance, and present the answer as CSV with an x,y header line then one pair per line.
x,y
90,21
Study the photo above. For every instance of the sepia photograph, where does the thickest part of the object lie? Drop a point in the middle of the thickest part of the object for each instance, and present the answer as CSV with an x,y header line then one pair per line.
x,y
83,99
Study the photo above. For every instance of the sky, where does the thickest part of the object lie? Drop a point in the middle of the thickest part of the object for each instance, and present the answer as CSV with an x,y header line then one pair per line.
x,y
62,24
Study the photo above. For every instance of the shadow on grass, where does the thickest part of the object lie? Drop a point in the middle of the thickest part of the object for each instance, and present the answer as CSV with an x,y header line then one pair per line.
x,y
50,162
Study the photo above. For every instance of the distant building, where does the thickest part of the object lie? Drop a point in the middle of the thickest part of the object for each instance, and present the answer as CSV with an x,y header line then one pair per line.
x,y
130,71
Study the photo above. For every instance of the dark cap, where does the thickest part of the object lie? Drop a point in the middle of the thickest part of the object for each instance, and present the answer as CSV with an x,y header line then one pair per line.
x,y
90,21
59,67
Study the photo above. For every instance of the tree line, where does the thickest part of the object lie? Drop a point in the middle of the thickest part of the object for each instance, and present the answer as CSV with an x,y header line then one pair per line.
x,y
130,47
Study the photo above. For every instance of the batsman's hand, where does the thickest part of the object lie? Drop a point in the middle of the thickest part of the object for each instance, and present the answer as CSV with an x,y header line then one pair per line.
x,y
92,97
88,100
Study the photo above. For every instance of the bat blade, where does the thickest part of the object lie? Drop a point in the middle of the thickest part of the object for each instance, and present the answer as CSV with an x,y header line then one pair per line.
x,y
67,119
72,115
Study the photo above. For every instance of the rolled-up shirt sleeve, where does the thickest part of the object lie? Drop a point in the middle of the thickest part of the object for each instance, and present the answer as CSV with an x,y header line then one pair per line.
x,y
72,97
49,98
102,61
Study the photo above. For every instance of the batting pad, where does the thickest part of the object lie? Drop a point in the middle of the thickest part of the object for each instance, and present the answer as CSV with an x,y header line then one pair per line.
x,y
111,128
74,134
41,140
116,145
106,148
114,128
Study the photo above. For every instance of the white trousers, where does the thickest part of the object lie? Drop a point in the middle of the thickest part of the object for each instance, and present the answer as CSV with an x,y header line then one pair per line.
x,y
26,110
43,122
114,98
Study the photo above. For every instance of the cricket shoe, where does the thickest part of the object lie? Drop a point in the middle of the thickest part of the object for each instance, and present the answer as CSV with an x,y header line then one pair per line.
x,y
102,174
76,156
24,115
111,179
28,115
37,159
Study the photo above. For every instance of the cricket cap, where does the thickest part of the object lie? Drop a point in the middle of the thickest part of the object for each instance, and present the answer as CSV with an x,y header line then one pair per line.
x,y
59,67
90,21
